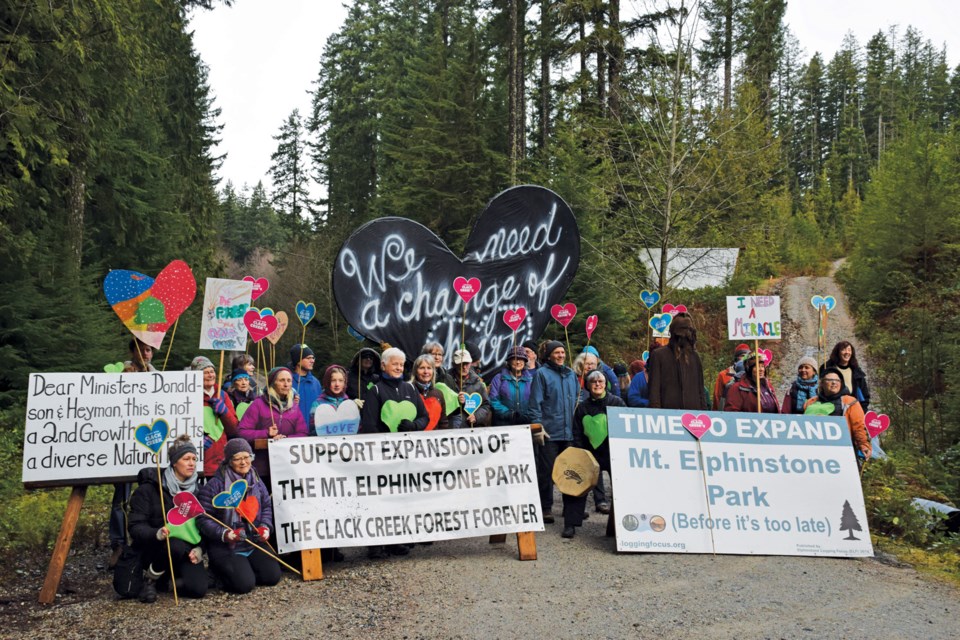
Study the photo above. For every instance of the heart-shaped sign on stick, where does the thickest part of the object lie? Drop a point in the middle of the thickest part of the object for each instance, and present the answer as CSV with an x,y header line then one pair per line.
x,y
472,402
258,325
249,508
766,356
514,317
876,423
563,314
645,356
591,326
149,307
660,322
466,289
113,367
230,498
152,436
341,420
649,298
674,310
306,312
185,507
260,286
697,425
356,334
828,302
282,323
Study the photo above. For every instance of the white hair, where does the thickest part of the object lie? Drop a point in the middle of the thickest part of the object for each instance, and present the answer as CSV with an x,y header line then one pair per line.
x,y
391,353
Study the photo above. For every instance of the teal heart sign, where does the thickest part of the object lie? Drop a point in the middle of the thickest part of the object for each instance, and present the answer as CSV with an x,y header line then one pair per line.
x,y
827,302
152,436
472,402
649,298
356,334
660,322
392,413
230,498
595,428
306,311
645,356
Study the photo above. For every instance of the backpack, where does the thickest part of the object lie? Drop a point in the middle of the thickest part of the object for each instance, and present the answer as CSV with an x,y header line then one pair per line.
x,y
128,573
734,379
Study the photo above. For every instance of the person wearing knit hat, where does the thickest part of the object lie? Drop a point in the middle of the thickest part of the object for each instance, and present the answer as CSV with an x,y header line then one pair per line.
x,y
241,390
553,399
274,415
510,389
150,532
219,416
742,395
675,370
530,346
238,564
305,384
803,388
728,376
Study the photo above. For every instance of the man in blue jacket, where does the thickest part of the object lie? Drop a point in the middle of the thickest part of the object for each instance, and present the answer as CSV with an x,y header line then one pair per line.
x,y
305,383
553,399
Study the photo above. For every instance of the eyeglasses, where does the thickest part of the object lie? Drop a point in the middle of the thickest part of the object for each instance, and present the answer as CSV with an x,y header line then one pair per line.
x,y
436,353
831,380
249,458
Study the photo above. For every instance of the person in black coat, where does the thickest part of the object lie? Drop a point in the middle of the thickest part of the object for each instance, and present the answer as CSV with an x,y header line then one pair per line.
x,y
148,529
844,358
675,371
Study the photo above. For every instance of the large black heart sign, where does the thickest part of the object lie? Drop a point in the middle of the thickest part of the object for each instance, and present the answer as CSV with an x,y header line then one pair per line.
x,y
393,280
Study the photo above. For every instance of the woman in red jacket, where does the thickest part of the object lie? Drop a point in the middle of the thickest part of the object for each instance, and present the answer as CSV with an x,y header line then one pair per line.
x,y
742,396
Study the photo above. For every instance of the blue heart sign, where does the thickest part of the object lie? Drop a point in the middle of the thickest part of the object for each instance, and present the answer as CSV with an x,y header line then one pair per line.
x,y
356,334
828,302
646,356
649,298
472,402
306,312
230,498
660,322
152,436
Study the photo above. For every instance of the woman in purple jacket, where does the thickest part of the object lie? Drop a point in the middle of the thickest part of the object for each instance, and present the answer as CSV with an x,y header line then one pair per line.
x,y
273,415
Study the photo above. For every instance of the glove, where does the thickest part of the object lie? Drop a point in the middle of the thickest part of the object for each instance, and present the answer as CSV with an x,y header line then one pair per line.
x,y
264,533
196,555
540,437
359,403
207,442
240,533
219,406
407,425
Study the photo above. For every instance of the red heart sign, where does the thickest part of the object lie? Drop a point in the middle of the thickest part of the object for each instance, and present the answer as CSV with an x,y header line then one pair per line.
x,y
185,507
434,411
767,356
514,317
591,325
674,310
466,289
876,423
249,508
259,326
260,286
564,314
697,425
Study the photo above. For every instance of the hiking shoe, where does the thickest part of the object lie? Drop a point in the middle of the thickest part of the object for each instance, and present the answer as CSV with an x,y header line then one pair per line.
x,y
603,507
568,532
148,592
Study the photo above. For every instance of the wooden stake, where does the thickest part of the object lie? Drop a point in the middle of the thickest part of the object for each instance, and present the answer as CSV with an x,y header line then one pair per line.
x,y
59,558
706,495
163,512
254,544
312,564
220,374
170,344
756,368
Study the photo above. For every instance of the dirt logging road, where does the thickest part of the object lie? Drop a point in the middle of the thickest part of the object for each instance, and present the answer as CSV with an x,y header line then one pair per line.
x,y
578,588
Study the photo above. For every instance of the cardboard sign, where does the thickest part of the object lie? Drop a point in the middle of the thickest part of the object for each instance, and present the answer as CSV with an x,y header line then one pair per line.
x,y
147,306
84,428
753,318
774,485
224,304
403,488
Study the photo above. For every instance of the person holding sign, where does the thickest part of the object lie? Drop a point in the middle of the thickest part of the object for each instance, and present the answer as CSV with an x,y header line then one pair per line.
x,y
424,379
150,530
831,400
742,396
590,433
803,388
392,404
510,390
844,358
468,382
239,565
219,416
273,415
675,370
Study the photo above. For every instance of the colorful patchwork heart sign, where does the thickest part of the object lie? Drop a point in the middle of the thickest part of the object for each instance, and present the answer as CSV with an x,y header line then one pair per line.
x,y
649,298
595,428
282,323
356,334
185,507
591,326
152,436
876,423
392,413
113,367
563,314
660,322
466,289
472,402
697,425
674,310
828,302
306,312
249,508
232,497
342,420
434,412
259,326
148,306
514,317
260,286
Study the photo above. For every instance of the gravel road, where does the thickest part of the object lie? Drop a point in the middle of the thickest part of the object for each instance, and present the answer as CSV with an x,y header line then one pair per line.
x,y
579,588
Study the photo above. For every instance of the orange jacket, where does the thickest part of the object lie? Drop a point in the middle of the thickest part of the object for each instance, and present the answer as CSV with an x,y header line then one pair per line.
x,y
853,412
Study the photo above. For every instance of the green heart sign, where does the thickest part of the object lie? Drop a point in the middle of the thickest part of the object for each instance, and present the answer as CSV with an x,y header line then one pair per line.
x,y
819,409
451,399
188,531
393,412
241,409
211,426
113,367
596,429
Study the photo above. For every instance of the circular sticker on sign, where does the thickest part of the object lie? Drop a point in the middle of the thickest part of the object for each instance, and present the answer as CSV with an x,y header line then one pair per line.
x,y
630,523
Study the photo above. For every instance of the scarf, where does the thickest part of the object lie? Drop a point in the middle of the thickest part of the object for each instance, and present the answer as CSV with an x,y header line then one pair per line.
x,y
423,387
278,403
174,485
806,389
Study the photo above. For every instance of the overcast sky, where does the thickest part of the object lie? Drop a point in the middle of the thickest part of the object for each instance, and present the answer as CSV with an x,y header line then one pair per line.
x,y
264,55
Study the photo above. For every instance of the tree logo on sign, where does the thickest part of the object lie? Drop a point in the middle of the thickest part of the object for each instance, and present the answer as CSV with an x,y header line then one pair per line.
x,y
849,522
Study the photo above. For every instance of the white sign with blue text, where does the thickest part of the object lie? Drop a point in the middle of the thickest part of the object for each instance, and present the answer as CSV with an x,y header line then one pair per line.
x,y
757,484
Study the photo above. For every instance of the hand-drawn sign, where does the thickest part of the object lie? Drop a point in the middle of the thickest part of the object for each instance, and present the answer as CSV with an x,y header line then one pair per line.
x,y
392,276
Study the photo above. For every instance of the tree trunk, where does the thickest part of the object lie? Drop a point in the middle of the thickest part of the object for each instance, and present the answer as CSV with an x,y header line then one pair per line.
x,y
615,62
512,91
727,54
545,47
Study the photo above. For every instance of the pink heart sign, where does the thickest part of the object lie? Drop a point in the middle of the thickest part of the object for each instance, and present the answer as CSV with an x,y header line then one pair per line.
x,y
466,289
260,286
259,326
185,507
514,317
876,423
766,355
674,310
564,314
697,425
591,325
282,322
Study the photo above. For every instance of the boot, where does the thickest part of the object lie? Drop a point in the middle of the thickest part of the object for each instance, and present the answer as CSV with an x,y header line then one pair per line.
x,y
148,592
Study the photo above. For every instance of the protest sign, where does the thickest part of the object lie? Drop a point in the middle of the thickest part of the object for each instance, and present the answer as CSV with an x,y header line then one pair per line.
x,y
81,428
403,488
764,484
224,304
753,317
148,306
